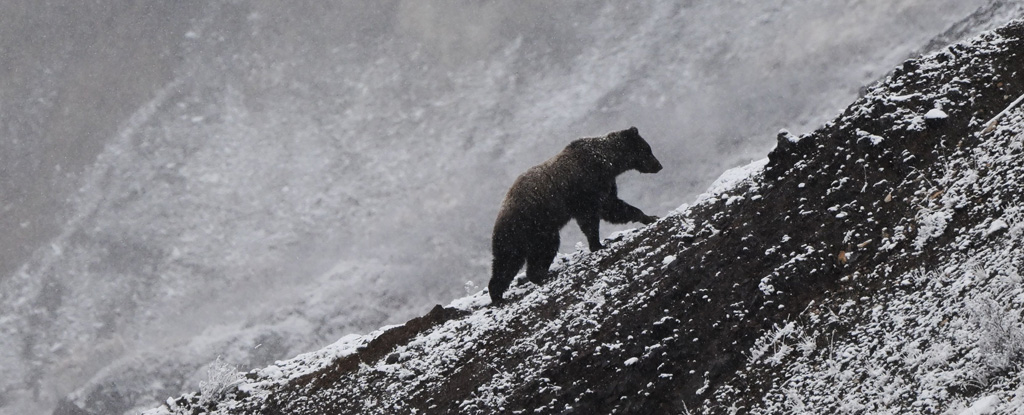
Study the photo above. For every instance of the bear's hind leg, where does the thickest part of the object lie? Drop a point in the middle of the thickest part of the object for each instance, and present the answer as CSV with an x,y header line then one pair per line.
x,y
503,271
542,254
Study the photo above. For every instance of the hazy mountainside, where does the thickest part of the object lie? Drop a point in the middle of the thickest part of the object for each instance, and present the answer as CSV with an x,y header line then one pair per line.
x,y
267,178
70,73
872,266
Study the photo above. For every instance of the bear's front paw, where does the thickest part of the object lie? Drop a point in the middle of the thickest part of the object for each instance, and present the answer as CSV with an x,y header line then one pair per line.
x,y
649,219
596,247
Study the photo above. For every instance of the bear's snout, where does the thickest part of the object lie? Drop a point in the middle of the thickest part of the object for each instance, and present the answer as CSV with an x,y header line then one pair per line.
x,y
652,165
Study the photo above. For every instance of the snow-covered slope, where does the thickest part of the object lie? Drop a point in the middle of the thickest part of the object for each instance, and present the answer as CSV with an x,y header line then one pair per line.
x,y
301,173
872,266
926,316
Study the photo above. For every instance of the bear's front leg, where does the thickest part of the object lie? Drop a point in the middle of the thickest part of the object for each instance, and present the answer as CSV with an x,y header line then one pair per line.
x,y
618,211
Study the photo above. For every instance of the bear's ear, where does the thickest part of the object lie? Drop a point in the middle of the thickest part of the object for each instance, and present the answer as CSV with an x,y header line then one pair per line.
x,y
630,134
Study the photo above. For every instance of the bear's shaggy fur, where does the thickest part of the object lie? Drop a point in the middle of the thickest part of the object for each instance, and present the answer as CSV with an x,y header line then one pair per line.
x,y
578,183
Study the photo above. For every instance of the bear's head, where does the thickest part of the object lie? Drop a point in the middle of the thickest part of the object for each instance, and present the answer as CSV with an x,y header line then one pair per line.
x,y
637,152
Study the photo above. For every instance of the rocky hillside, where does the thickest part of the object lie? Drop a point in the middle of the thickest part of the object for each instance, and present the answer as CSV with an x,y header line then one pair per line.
x,y
273,176
872,266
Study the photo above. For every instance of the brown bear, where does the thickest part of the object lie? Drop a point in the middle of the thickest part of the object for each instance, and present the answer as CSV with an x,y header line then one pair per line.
x,y
578,183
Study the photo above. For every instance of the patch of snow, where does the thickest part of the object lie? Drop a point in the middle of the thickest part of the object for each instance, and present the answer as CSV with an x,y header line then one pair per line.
x,y
935,114
872,138
789,136
931,225
902,98
983,406
916,124
730,179
996,226
471,302
765,286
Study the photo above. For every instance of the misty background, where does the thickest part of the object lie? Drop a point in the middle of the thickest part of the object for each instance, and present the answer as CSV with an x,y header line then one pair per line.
x,y
254,179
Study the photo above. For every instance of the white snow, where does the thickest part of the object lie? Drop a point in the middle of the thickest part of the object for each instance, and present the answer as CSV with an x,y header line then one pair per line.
x,y
935,114
931,224
902,98
952,324
872,138
789,136
996,226
729,180
983,406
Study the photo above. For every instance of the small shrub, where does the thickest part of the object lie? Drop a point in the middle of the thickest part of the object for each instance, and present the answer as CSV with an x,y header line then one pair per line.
x,y
220,378
1000,333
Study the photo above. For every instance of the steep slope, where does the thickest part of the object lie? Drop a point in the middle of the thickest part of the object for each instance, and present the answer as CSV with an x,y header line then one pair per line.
x,y
921,215
300,170
872,266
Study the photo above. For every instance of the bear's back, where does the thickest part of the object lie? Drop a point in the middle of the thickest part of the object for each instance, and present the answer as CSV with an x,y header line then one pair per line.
x,y
548,192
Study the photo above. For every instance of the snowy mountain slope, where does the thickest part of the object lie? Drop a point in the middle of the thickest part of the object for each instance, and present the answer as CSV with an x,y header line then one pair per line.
x,y
926,317
871,266
303,172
